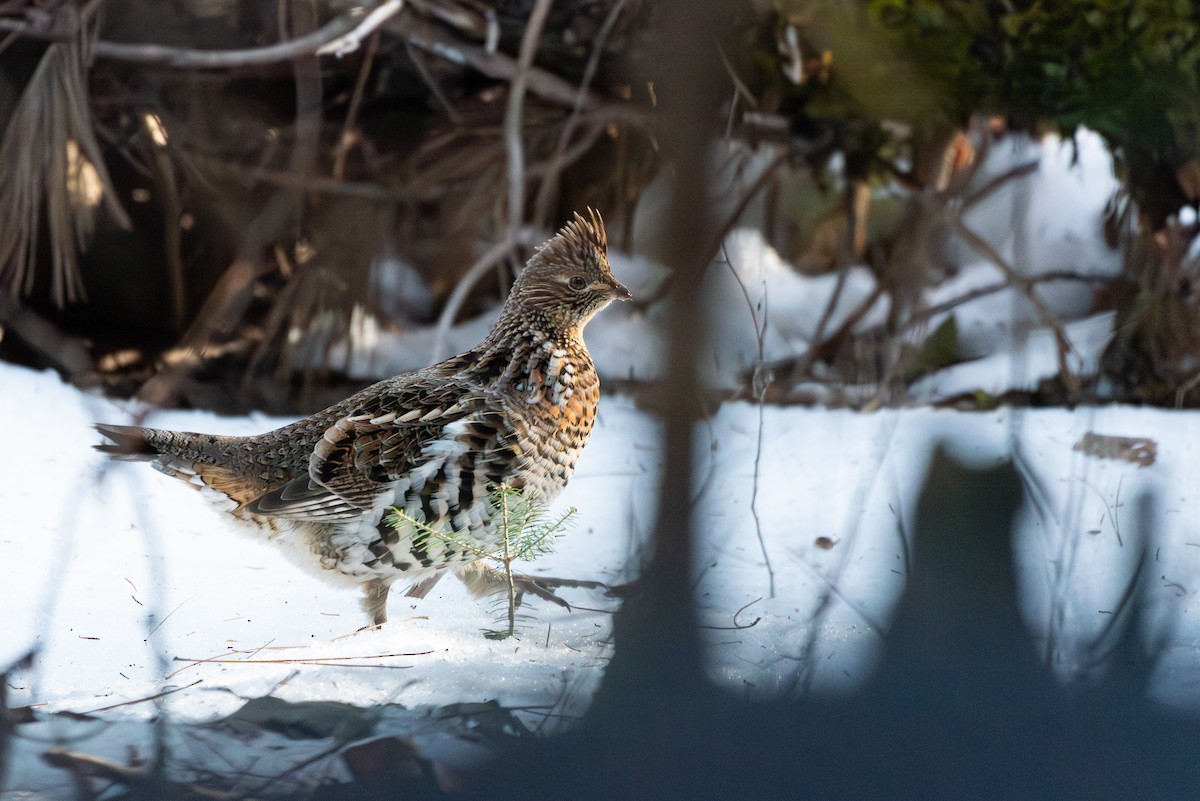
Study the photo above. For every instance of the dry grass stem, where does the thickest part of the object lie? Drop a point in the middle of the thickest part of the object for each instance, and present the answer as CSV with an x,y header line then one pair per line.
x,y
53,164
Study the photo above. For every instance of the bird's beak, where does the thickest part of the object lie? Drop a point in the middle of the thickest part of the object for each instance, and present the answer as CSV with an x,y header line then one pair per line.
x,y
618,291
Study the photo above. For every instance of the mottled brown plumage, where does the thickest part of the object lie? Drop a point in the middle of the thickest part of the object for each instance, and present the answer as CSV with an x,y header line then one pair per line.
x,y
516,410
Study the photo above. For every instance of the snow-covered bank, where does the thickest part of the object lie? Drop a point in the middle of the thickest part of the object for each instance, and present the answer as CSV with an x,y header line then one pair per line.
x,y
89,550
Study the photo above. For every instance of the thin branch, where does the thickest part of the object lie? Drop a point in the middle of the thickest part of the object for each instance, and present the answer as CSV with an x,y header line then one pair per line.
x,y
559,160
46,27
513,140
311,44
340,661
756,186
548,170
991,289
435,39
799,366
740,88
172,212
352,40
307,182
760,332
154,697
351,121
490,258
827,314
1020,171
418,61
1026,288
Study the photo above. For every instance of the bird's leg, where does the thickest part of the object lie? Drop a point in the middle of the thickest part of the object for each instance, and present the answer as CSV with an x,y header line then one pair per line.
x,y
482,579
375,598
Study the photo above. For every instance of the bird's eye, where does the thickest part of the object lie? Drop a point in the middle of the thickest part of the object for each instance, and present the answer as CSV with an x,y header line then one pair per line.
x,y
577,282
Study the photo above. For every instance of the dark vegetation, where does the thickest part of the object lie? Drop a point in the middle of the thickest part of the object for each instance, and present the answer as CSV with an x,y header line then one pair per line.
x,y
295,173
200,206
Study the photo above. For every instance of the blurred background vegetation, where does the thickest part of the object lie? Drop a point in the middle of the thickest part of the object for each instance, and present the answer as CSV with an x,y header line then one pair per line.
x,y
201,197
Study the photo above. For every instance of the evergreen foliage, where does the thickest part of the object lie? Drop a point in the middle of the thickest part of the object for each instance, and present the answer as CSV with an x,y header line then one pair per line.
x,y
522,531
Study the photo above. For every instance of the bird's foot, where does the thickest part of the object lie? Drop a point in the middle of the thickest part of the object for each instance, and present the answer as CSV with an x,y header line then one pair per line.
x,y
482,579
543,587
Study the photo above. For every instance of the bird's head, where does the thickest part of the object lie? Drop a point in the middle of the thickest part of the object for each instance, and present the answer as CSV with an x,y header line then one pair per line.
x,y
568,279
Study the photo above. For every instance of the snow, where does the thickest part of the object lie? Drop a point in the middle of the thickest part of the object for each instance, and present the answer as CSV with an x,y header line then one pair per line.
x,y
90,550
126,584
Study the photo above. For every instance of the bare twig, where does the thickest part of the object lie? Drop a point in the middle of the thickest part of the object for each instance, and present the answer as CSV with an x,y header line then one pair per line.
x,y
740,92
513,141
1019,171
154,697
736,625
490,258
352,40
418,61
311,44
435,39
821,349
172,211
760,332
548,171
339,37
713,245
62,26
560,159
475,20
307,182
798,366
764,374
1026,287
351,121
991,289
340,661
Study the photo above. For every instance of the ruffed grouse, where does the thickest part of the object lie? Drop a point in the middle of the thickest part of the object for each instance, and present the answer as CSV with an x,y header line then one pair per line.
x,y
515,410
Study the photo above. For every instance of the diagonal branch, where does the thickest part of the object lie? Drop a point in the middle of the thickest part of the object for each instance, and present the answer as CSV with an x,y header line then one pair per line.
x,y
434,39
1026,287
340,36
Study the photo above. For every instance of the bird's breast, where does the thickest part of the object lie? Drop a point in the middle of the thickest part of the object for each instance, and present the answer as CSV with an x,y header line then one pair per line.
x,y
561,402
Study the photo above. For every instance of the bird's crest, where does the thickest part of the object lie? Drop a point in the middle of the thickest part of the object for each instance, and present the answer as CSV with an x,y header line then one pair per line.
x,y
580,238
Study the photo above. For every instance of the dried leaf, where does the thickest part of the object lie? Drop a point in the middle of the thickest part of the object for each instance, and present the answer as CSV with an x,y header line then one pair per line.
x,y
1138,450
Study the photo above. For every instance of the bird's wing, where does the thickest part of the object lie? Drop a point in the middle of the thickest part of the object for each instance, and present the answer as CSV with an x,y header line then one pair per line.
x,y
404,435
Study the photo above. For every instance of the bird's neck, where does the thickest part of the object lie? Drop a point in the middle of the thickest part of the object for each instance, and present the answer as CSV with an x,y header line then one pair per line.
x,y
519,350
516,328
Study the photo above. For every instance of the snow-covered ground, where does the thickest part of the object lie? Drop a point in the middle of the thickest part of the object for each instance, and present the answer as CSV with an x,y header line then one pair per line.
x,y
125,584
90,551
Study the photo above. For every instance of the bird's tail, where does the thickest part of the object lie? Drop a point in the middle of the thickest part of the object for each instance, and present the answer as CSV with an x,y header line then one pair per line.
x,y
197,459
149,444
132,443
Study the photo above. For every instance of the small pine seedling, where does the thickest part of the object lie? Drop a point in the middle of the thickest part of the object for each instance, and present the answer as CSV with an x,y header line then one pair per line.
x,y
523,533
